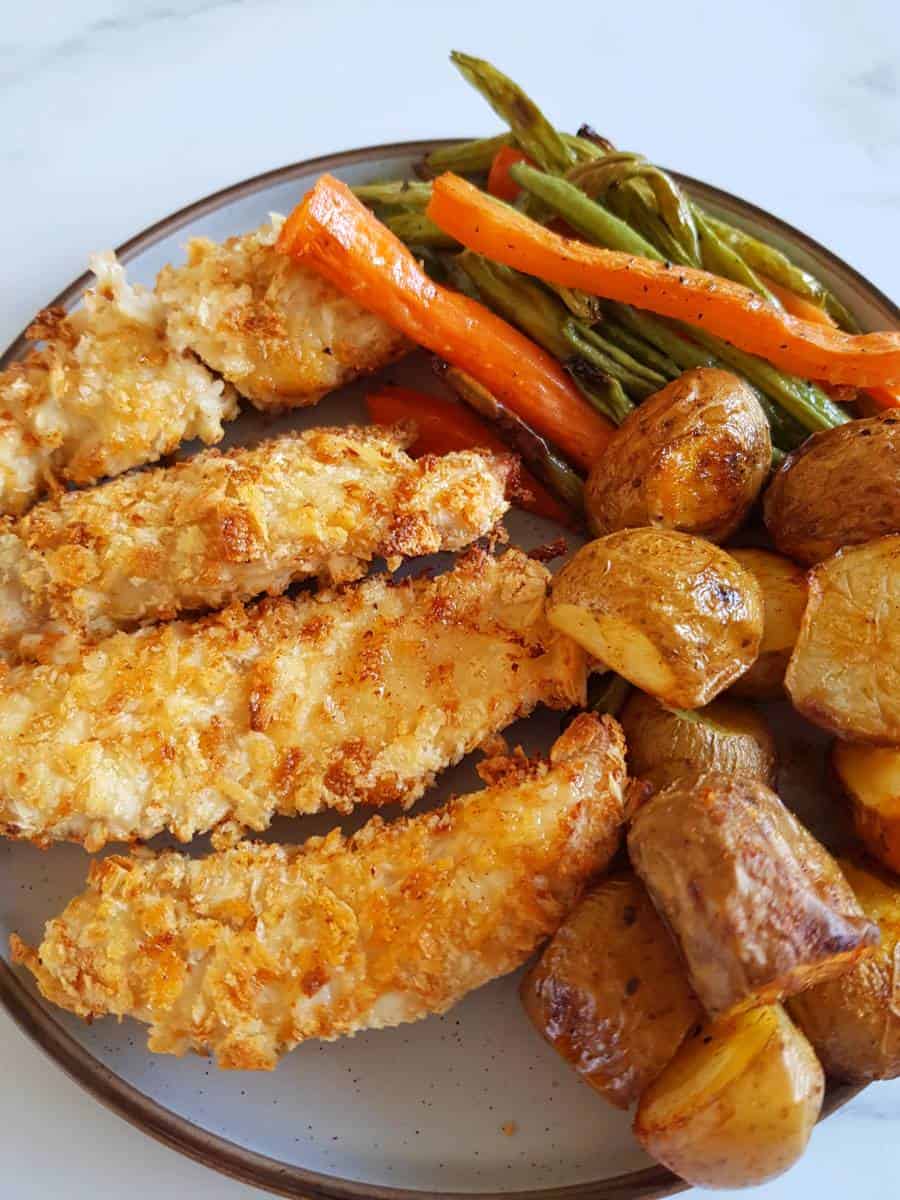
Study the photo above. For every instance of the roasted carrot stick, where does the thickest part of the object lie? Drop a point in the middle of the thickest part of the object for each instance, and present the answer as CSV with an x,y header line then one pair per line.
x,y
499,182
443,425
798,306
720,306
336,235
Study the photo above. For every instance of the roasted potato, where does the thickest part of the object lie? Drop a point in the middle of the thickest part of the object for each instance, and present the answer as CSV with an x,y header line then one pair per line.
x,y
610,992
870,775
737,1104
673,614
666,744
758,907
854,1022
783,586
840,488
844,673
694,457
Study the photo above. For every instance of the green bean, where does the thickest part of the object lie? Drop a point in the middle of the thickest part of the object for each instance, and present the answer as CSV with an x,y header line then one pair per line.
x,y
596,178
581,212
416,229
520,301
531,129
527,442
602,391
640,349
637,380
395,193
766,259
582,305
722,259
607,693
638,212
583,149
466,158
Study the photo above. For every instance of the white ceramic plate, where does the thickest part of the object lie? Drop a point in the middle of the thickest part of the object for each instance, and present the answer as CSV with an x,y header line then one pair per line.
x,y
471,1102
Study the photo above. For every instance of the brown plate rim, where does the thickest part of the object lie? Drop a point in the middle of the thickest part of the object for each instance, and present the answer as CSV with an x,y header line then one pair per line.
x,y
134,1106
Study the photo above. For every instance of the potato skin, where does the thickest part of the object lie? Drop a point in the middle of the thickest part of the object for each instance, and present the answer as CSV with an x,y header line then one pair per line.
x,y
738,1103
758,907
610,992
673,614
665,745
854,1022
844,673
838,489
693,457
870,776
784,592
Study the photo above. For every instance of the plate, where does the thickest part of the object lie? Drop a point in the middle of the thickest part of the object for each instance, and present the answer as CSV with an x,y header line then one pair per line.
x,y
472,1102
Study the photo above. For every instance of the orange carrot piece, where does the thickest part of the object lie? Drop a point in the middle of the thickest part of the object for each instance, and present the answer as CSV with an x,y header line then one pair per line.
x,y
884,397
798,306
443,425
722,307
338,237
499,182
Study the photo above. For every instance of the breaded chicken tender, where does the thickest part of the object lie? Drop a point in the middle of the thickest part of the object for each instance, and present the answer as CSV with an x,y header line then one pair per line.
x,y
247,952
106,392
293,705
282,335
226,527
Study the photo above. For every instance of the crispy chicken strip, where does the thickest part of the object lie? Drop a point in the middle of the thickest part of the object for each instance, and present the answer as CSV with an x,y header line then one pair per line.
x,y
283,336
226,527
106,392
353,697
247,952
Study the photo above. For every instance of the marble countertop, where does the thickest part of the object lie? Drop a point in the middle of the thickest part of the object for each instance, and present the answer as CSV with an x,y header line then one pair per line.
x,y
114,113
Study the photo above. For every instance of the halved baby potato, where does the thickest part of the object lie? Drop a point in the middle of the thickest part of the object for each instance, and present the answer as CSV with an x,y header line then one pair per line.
x,y
610,993
666,744
838,489
693,457
854,1022
760,909
673,614
737,1104
870,775
783,586
844,673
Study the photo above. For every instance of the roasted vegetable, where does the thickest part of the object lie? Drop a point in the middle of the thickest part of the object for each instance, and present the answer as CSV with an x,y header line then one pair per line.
x,y
726,309
336,236
737,1104
844,673
757,905
840,488
666,744
783,586
692,458
854,1021
673,614
870,775
610,993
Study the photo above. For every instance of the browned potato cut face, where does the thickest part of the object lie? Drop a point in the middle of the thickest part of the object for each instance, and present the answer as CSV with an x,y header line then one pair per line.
x,y
840,488
666,744
844,673
758,907
692,458
870,776
783,586
673,614
737,1104
854,1022
610,992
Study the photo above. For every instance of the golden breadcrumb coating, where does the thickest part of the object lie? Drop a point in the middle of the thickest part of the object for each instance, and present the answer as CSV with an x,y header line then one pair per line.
x,y
282,335
108,391
226,527
352,697
249,951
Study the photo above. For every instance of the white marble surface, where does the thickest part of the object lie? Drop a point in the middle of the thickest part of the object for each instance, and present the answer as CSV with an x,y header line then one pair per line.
x,y
114,113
